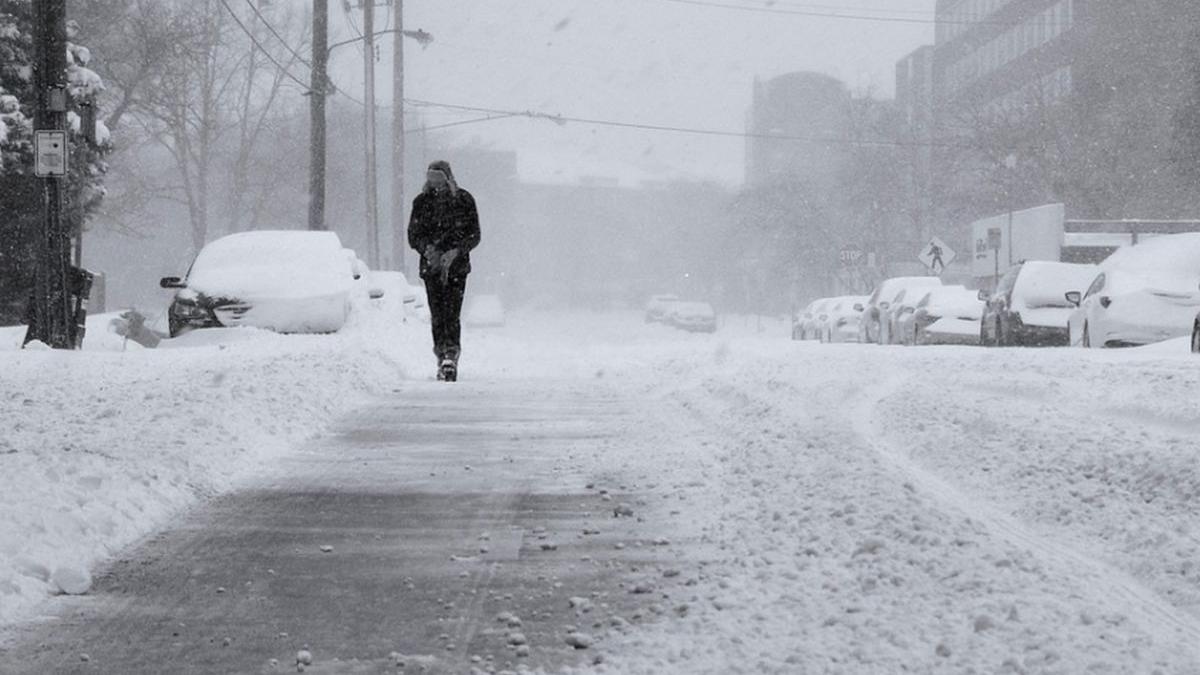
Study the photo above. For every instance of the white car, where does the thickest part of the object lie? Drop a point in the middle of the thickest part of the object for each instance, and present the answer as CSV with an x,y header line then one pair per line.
x,y
944,316
293,281
875,326
1143,294
807,324
486,311
398,292
658,307
844,315
695,317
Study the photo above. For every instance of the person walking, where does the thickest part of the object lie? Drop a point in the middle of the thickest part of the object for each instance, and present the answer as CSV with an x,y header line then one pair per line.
x,y
444,229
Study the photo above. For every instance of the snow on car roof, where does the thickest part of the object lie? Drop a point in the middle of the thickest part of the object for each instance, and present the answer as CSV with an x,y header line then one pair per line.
x,y
956,300
1176,255
272,264
1043,283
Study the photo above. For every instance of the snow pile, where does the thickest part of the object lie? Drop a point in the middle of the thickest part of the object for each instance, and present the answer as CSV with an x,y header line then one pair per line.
x,y
102,446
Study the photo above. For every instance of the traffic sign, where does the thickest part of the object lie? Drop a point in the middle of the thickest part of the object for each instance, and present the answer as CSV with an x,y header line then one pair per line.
x,y
937,255
50,153
851,256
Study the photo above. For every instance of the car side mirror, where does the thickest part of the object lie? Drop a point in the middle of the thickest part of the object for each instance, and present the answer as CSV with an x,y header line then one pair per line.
x,y
984,295
1075,298
171,282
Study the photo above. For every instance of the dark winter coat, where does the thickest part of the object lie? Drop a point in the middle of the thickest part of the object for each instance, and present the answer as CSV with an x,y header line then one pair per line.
x,y
446,220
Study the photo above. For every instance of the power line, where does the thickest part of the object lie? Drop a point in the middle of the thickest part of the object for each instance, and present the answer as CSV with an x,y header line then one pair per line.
x,y
253,39
563,119
279,37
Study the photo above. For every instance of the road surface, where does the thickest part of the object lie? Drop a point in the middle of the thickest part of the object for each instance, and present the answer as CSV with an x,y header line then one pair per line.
x,y
399,539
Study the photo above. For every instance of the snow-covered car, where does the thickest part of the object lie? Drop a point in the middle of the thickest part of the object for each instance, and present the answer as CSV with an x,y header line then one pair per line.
x,y
399,293
486,311
901,309
285,281
658,306
1029,307
1143,294
1196,336
844,315
944,316
874,325
695,317
807,324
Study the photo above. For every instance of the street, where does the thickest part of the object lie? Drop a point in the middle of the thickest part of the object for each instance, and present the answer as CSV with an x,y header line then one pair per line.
x,y
690,503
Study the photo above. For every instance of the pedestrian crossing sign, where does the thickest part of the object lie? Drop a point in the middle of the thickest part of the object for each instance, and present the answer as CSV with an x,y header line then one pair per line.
x,y
937,255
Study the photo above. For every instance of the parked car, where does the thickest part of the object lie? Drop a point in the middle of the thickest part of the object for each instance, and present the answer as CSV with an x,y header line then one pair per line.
x,y
398,290
658,307
1142,294
1029,307
807,324
286,281
844,315
902,307
1196,336
874,325
944,316
485,311
695,317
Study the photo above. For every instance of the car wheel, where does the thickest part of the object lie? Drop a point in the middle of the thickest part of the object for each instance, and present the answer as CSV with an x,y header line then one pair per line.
x,y
1087,336
1196,338
916,337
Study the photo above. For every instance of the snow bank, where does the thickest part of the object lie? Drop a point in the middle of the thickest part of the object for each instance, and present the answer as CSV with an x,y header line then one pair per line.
x,y
101,446
1028,511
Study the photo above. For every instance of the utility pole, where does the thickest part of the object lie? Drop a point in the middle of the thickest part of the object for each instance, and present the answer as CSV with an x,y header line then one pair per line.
x,y
52,317
372,165
399,225
317,140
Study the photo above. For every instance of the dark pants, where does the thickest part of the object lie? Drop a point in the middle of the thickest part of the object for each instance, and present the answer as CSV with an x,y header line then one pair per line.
x,y
445,308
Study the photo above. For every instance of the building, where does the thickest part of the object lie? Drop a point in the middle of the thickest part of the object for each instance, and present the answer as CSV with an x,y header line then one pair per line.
x,y
1084,102
994,54
801,106
914,101
914,90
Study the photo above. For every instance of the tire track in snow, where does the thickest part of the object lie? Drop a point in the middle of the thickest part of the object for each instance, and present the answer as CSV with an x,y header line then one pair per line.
x,y
1122,591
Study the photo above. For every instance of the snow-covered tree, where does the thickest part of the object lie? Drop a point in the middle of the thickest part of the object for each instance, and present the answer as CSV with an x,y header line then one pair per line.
x,y
20,205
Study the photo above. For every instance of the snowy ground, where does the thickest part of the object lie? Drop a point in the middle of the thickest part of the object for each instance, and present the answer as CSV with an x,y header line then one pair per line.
x,y
871,509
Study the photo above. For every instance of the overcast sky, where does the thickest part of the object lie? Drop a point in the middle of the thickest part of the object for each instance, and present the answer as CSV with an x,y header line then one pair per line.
x,y
644,61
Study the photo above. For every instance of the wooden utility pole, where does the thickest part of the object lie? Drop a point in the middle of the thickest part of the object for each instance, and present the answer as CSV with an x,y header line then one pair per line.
x,y
317,140
373,257
52,320
399,224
